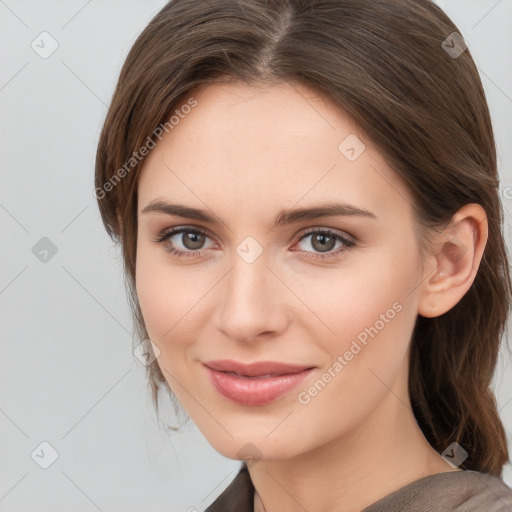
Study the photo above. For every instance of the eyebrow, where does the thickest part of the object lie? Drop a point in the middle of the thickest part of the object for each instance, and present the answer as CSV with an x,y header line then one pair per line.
x,y
284,217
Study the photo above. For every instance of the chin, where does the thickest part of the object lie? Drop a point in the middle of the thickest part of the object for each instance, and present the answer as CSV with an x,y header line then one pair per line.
x,y
254,448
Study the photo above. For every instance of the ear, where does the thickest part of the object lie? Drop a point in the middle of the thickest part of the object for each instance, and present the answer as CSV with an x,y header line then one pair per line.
x,y
453,260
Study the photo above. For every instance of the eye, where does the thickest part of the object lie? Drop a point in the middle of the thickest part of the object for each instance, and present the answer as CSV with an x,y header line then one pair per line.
x,y
325,240
192,240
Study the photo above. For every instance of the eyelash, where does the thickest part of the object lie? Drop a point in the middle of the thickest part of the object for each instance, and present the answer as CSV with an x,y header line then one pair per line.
x,y
166,235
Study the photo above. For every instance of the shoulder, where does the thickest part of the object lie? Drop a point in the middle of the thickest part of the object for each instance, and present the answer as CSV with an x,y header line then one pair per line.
x,y
460,491
238,496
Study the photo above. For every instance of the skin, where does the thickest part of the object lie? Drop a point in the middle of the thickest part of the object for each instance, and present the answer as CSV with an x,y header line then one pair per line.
x,y
245,153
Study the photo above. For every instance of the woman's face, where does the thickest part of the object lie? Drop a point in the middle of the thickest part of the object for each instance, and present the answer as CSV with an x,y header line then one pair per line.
x,y
337,293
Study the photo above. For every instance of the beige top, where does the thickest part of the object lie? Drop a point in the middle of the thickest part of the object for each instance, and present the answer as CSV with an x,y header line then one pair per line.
x,y
460,491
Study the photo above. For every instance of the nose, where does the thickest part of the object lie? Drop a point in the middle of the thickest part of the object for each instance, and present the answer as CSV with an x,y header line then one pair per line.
x,y
252,302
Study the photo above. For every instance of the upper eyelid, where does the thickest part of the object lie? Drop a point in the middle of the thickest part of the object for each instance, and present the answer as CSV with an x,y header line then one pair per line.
x,y
175,230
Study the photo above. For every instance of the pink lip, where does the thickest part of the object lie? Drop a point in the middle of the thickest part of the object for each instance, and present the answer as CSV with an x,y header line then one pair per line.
x,y
257,383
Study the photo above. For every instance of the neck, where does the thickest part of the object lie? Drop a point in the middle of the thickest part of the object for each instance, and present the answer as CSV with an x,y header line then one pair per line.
x,y
384,453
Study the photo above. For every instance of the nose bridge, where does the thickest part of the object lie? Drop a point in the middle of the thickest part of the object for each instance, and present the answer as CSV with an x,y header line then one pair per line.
x,y
249,278
249,304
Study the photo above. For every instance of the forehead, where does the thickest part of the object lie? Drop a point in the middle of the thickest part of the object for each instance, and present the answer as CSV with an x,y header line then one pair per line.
x,y
266,148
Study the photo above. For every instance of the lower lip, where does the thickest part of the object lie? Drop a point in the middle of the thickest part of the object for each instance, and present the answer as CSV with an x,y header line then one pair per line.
x,y
255,391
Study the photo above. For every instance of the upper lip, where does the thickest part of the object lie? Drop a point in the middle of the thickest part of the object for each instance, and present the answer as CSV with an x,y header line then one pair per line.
x,y
257,368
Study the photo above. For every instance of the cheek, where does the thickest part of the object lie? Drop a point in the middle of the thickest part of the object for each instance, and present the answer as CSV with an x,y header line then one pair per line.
x,y
162,295
164,299
367,355
174,301
368,316
371,295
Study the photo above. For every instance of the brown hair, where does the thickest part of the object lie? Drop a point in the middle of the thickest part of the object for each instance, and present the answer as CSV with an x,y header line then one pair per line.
x,y
384,62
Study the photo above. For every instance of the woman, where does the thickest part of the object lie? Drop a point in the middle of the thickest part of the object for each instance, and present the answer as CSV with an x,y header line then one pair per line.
x,y
306,196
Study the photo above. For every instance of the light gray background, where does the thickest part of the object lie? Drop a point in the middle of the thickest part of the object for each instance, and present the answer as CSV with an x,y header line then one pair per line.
x,y
68,376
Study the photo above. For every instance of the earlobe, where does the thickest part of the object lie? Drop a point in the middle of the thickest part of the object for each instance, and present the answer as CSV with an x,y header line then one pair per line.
x,y
455,255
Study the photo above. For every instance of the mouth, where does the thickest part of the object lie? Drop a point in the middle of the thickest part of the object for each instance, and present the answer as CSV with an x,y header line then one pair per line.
x,y
257,383
263,376
257,369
